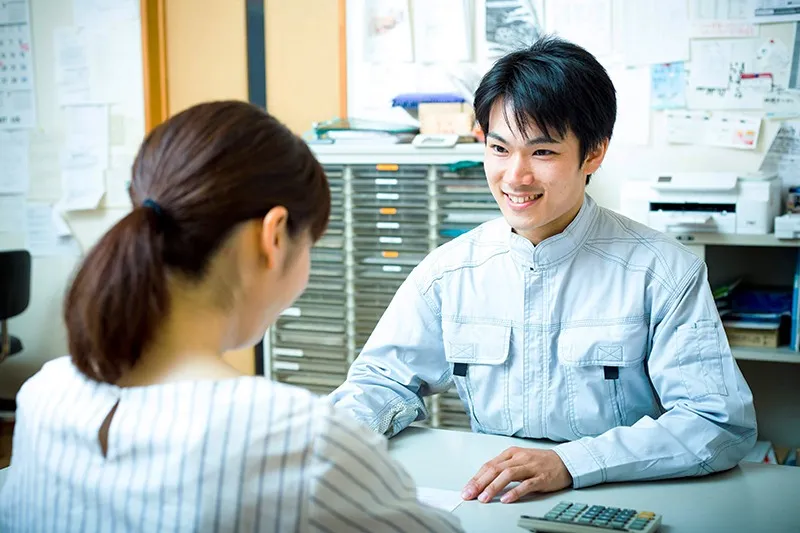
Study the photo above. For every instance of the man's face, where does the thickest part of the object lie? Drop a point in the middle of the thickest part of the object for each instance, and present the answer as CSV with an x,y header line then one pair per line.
x,y
538,181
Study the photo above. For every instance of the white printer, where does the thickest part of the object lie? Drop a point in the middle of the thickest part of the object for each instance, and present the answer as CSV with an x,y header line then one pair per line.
x,y
692,202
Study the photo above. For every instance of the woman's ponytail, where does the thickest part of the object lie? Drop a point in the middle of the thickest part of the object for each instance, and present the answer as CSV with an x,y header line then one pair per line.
x,y
117,297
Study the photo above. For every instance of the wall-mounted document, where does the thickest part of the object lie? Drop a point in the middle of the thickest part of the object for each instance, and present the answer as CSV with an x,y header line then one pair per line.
x,y
442,31
104,13
722,18
783,155
508,25
633,105
387,33
655,31
43,236
782,104
584,22
769,11
17,108
12,212
706,129
14,165
73,69
668,86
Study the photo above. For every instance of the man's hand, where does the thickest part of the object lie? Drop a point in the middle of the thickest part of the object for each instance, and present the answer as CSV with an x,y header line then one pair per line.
x,y
536,470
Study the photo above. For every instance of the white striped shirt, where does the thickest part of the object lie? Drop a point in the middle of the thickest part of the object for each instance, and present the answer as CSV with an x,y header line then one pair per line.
x,y
241,454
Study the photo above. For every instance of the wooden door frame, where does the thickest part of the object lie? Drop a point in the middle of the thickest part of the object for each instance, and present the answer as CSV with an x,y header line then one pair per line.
x,y
154,62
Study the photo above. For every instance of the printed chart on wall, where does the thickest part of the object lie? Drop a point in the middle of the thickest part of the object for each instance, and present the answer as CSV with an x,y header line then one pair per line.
x,y
17,107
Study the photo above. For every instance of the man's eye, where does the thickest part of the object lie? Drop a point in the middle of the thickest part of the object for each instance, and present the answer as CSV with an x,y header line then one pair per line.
x,y
543,152
499,149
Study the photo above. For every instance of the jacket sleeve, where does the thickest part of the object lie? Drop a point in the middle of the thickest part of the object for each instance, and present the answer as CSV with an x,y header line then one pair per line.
x,y
709,422
402,362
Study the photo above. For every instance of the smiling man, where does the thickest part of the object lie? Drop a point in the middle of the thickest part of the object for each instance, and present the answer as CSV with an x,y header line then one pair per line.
x,y
561,320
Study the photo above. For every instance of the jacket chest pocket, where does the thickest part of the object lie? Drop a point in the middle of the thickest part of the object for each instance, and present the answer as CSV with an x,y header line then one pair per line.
x,y
478,355
602,367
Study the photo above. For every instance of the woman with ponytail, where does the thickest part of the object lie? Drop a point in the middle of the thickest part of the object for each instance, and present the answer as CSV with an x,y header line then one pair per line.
x,y
144,427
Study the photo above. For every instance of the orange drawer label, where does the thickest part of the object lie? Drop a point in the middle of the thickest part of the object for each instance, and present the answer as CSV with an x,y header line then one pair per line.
x,y
390,255
387,167
388,210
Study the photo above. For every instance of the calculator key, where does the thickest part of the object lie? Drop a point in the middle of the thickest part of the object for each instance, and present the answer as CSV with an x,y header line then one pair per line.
x,y
646,514
585,520
551,515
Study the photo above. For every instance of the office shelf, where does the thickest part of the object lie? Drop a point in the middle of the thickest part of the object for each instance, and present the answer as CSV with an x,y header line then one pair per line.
x,y
734,239
774,355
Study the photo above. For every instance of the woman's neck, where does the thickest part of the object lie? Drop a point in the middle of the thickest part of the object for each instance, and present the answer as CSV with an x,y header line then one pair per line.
x,y
188,345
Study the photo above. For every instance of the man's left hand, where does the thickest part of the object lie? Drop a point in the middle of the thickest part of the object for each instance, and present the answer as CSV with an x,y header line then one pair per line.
x,y
536,470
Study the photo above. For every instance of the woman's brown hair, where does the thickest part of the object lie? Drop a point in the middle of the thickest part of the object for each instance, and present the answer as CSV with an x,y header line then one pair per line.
x,y
196,177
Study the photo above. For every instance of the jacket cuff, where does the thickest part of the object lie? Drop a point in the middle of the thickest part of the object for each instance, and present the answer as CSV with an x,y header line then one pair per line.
x,y
583,464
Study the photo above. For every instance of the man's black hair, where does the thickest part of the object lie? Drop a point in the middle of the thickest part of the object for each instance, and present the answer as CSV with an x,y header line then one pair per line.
x,y
557,85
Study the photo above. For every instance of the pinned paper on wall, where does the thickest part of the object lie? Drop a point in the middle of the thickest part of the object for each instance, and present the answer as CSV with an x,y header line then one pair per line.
x,y
508,25
633,104
686,127
104,13
387,35
12,212
703,128
668,86
87,132
783,155
43,237
72,64
14,163
655,31
722,18
782,104
17,108
442,30
586,23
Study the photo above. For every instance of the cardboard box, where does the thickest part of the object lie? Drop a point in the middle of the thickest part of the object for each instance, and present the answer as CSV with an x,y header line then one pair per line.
x,y
448,118
752,338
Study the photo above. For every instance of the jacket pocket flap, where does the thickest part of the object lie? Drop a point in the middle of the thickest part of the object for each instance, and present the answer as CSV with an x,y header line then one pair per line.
x,y
484,344
617,345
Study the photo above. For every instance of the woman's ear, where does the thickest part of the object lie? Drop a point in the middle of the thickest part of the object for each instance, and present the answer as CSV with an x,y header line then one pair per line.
x,y
275,236
595,157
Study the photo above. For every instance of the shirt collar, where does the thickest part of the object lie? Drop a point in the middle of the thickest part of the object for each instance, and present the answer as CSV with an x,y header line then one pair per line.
x,y
556,248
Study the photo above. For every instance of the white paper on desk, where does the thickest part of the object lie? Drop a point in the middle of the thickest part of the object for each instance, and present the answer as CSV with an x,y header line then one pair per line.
x,y
584,22
783,155
387,31
43,238
17,109
14,167
722,18
633,104
442,31
103,13
12,212
446,500
655,31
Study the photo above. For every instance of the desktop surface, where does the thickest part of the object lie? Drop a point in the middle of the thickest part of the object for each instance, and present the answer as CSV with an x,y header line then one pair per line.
x,y
748,498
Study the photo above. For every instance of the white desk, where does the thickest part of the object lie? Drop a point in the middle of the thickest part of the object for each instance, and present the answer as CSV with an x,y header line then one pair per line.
x,y
3,474
749,498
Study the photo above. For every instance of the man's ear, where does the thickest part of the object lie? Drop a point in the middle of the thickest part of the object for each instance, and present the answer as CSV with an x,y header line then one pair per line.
x,y
275,236
595,158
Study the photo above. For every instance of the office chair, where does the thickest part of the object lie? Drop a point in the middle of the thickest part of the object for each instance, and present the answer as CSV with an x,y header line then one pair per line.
x,y
15,293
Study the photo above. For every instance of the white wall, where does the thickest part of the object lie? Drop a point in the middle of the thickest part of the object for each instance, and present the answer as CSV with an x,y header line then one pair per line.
x,y
117,64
